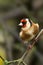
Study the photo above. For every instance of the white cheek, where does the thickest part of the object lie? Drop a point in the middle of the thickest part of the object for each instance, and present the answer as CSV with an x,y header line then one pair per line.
x,y
28,25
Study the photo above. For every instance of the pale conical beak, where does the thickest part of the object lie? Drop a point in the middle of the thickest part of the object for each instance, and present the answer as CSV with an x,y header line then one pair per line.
x,y
20,24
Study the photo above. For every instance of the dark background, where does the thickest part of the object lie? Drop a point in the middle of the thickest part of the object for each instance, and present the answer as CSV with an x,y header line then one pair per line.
x,y
11,12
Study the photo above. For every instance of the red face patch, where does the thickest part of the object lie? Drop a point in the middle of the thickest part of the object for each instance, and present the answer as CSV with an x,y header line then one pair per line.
x,y
23,20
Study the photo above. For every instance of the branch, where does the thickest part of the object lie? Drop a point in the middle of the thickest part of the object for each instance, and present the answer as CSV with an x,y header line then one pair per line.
x,y
31,46
37,37
2,58
21,60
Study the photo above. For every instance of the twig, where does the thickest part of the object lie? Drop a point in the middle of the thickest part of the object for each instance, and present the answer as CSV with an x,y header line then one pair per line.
x,y
24,63
2,58
37,37
21,60
31,46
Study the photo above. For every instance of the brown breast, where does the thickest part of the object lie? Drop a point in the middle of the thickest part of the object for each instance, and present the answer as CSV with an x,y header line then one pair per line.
x,y
25,36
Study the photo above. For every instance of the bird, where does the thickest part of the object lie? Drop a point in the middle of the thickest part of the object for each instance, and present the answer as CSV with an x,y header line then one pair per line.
x,y
29,29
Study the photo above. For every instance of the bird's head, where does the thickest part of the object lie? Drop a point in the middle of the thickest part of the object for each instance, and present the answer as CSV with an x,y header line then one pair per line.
x,y
25,23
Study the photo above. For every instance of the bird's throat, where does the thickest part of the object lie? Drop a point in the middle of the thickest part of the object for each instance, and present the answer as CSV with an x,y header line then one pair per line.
x,y
24,26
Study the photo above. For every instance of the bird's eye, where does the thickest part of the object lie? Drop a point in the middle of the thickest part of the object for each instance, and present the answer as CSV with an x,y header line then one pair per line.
x,y
23,23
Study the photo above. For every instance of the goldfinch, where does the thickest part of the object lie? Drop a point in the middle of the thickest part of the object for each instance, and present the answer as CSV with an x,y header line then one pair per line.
x,y
29,30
